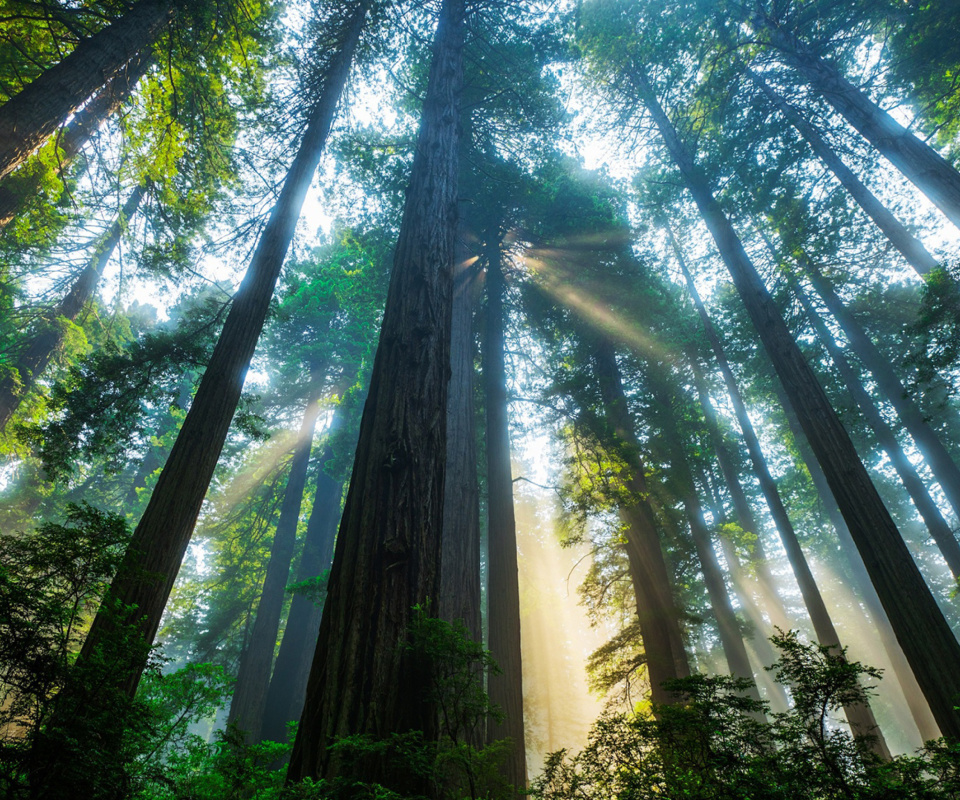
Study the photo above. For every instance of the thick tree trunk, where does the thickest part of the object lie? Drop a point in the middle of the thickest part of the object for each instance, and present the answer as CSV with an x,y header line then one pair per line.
x,y
460,569
503,588
146,576
912,482
253,678
76,134
920,164
910,247
944,468
922,631
41,348
32,116
292,669
657,610
919,708
387,560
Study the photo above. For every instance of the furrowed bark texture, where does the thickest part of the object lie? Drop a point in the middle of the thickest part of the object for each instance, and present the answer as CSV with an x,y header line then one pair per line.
x,y
924,634
910,247
923,166
657,610
912,482
41,349
919,708
253,678
387,559
292,669
460,572
32,116
941,463
503,588
146,576
75,135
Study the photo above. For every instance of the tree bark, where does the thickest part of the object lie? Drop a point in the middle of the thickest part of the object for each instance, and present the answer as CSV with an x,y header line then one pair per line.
x,y
657,610
40,349
503,588
922,631
912,482
910,247
919,708
930,172
253,678
944,468
32,116
76,134
387,559
146,576
460,568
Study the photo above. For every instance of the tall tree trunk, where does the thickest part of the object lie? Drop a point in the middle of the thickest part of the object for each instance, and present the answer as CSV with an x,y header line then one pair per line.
x,y
32,116
657,610
910,247
40,349
944,468
912,482
387,559
253,678
76,134
146,576
289,682
920,164
924,634
741,506
919,708
503,588
460,568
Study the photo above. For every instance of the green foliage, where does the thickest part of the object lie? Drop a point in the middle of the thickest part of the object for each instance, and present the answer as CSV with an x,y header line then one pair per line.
x,y
713,744
938,326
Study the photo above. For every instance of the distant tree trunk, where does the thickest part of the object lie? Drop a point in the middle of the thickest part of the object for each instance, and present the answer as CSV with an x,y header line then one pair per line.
x,y
32,116
146,576
920,164
503,588
40,349
912,482
460,570
657,610
919,708
731,638
253,678
924,634
77,133
944,468
292,669
910,247
741,506
387,559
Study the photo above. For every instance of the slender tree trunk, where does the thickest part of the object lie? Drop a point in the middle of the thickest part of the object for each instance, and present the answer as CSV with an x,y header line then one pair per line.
x,y
32,116
919,708
924,634
460,569
292,669
75,135
741,506
146,576
503,588
910,247
40,349
912,482
253,678
387,559
943,466
920,164
657,610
